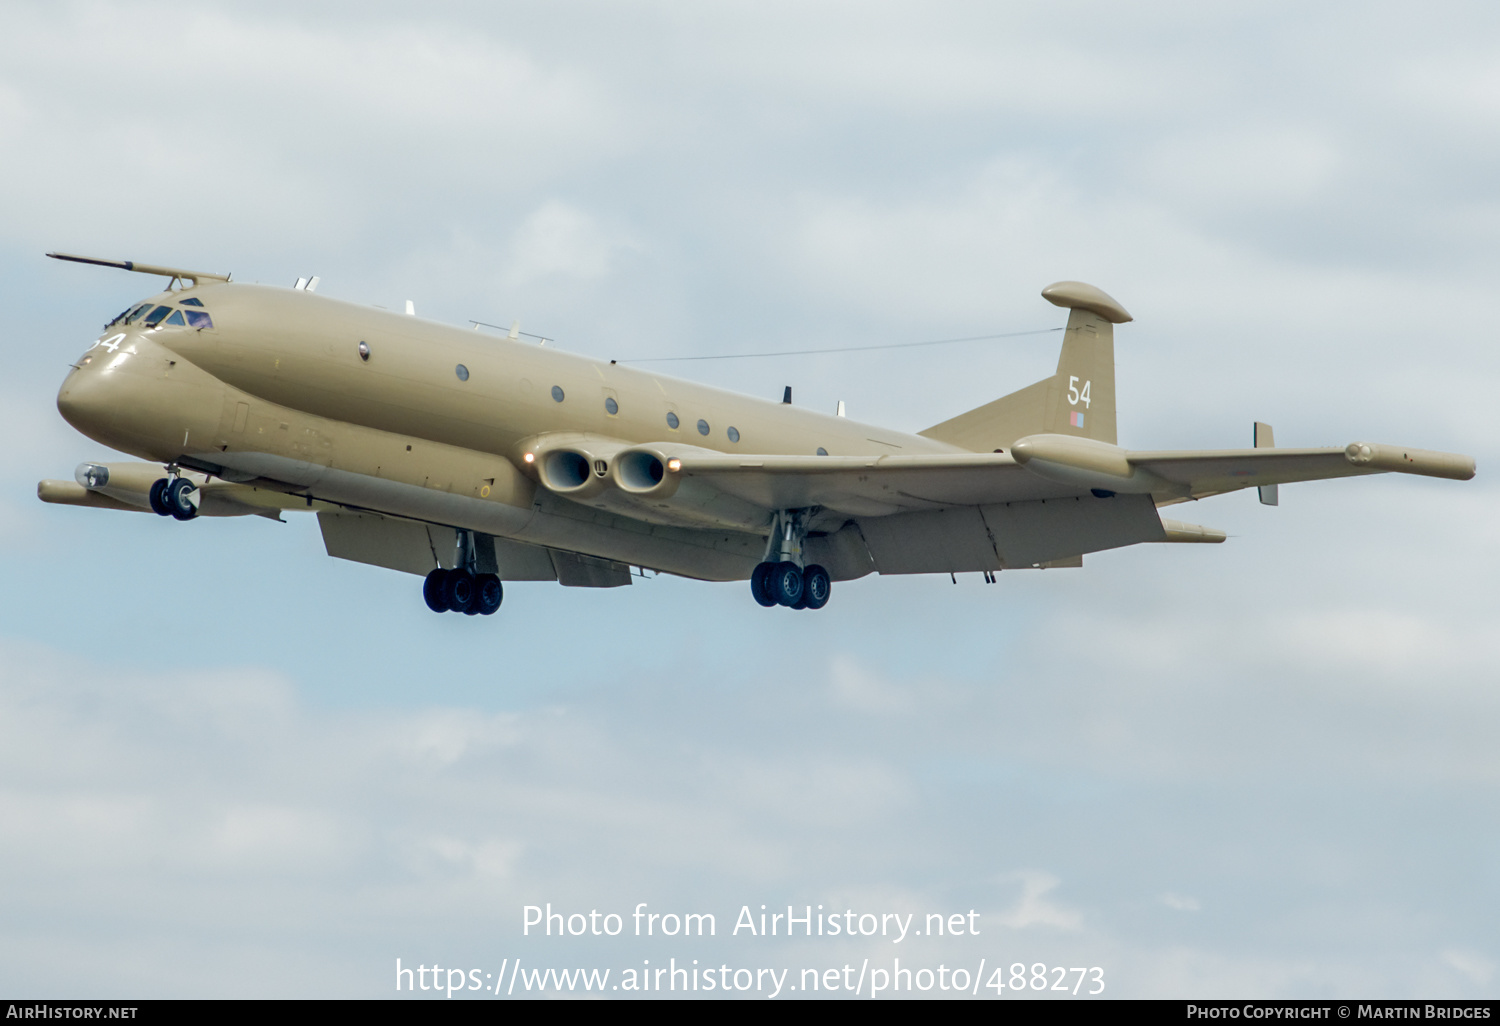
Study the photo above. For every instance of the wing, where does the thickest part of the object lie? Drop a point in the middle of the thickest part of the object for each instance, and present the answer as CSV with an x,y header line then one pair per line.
x,y
1196,475
871,486
887,485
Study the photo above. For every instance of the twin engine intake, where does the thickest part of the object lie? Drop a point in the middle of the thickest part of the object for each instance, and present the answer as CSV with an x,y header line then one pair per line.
x,y
637,480
583,469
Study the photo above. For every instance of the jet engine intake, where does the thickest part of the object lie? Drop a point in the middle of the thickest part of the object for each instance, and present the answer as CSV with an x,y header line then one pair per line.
x,y
576,470
644,474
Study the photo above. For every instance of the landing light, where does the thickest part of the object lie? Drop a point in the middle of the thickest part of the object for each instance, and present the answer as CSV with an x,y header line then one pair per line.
x,y
529,457
674,465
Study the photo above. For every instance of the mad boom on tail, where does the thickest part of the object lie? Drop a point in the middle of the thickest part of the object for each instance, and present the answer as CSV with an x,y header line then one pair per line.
x,y
476,460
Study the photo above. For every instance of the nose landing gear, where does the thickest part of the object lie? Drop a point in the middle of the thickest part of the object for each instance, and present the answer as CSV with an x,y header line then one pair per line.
x,y
174,497
462,589
782,578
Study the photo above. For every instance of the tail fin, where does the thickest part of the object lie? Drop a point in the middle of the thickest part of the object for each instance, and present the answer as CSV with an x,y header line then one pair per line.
x,y
1078,400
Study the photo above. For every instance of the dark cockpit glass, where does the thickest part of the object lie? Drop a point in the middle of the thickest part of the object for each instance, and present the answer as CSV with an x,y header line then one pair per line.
x,y
177,319
155,316
130,314
198,319
191,301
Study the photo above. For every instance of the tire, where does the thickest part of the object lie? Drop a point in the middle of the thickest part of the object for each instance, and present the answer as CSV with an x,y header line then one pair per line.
x,y
432,591
488,594
178,499
760,583
158,497
458,590
817,586
786,583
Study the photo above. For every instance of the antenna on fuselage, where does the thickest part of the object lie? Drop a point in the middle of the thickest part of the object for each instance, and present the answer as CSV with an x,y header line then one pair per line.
x,y
411,308
786,397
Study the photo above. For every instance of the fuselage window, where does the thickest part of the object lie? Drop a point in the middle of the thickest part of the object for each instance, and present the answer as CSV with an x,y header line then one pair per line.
x,y
611,407
191,301
154,317
177,319
462,372
703,427
198,319
734,434
557,393
673,422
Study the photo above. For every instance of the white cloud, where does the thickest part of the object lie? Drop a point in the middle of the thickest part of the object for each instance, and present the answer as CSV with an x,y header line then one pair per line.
x,y
1181,902
560,239
1471,963
1034,908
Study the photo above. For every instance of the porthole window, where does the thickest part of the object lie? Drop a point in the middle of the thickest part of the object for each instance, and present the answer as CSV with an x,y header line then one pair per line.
x,y
364,351
557,394
611,407
822,451
703,427
673,422
734,434
462,372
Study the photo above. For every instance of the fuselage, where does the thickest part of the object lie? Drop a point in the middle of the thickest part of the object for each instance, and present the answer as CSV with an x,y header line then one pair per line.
x,y
375,409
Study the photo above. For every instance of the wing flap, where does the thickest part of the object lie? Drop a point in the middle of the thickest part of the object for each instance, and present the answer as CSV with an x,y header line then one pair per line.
x,y
873,486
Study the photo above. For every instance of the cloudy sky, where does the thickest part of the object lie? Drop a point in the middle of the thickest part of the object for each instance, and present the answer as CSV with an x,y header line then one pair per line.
x,y
231,766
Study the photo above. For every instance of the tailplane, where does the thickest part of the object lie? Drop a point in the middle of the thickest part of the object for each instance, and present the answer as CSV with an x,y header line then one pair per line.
x,y
1078,400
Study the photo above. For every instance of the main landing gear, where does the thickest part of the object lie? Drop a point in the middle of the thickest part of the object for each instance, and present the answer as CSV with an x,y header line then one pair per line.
x,y
174,497
465,588
782,578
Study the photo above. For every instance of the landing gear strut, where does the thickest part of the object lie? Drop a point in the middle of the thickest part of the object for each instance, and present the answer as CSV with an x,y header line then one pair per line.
x,y
783,578
174,497
465,588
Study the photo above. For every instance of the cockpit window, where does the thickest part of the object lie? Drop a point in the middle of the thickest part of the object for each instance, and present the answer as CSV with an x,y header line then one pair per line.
x,y
177,319
155,316
191,301
136,312
198,319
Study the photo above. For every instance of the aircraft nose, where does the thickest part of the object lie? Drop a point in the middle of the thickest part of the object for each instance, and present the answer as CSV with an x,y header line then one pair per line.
x,y
82,403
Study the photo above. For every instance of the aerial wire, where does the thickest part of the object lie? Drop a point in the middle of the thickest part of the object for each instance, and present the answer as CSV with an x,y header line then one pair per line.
x,y
845,349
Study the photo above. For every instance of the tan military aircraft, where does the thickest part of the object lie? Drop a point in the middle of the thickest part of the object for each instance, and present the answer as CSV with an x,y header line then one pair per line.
x,y
473,459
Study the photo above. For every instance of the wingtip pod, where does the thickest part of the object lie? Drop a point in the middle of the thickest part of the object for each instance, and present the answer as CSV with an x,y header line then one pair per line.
x,y
1076,295
1374,456
1179,531
71,493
